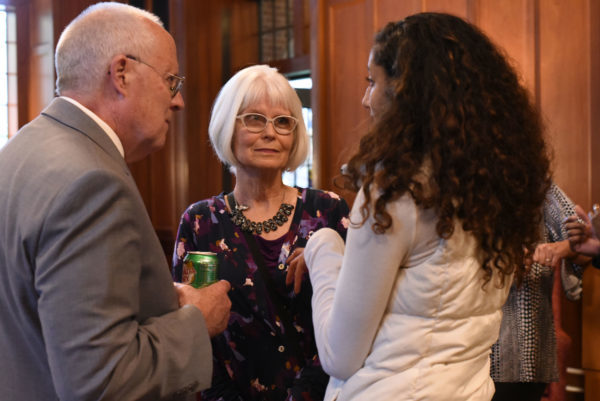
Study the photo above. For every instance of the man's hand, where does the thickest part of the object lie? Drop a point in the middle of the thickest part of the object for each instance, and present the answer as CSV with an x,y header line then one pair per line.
x,y
212,301
582,238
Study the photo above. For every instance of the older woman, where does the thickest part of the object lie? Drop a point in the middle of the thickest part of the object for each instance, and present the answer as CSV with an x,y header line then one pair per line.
x,y
452,179
259,231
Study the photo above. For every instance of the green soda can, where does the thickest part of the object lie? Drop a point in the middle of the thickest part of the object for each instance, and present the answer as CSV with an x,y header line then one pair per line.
x,y
200,269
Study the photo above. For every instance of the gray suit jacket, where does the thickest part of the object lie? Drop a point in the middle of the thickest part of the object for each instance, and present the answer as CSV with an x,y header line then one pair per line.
x,y
87,305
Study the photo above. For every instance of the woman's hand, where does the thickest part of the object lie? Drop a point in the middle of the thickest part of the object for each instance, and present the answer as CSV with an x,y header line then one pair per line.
x,y
296,269
552,253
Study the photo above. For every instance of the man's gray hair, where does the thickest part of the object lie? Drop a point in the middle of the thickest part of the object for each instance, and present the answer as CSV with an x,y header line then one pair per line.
x,y
87,45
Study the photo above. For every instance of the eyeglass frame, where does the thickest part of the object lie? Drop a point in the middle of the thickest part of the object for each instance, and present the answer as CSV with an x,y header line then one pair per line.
x,y
268,120
178,80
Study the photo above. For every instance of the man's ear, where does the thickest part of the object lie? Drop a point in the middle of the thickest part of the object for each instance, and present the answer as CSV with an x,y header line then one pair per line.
x,y
118,73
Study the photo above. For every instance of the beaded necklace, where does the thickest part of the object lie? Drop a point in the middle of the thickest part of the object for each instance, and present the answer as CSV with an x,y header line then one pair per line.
x,y
272,224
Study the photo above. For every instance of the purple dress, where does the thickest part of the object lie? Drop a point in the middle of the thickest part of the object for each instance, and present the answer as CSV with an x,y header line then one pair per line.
x,y
253,359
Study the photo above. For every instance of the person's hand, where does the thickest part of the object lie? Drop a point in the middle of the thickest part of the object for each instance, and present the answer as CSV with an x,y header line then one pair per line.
x,y
527,260
212,301
595,220
551,254
582,238
296,269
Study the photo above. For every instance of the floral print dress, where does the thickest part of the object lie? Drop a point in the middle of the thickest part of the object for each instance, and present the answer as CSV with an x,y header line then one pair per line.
x,y
253,358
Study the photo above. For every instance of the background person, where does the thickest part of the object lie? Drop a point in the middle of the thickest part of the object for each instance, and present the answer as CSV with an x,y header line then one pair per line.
x,y
259,230
451,179
89,310
524,359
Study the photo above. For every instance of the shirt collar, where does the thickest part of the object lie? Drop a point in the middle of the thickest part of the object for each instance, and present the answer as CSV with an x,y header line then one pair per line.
x,y
105,127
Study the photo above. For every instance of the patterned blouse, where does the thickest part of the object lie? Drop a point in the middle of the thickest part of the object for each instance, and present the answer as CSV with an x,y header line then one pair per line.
x,y
526,348
253,359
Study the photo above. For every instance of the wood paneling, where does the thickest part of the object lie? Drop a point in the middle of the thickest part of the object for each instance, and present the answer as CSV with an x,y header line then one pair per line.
x,y
591,322
565,91
517,36
244,35
460,8
565,100
591,146
350,26
592,385
23,57
590,149
391,10
209,53
41,57
200,62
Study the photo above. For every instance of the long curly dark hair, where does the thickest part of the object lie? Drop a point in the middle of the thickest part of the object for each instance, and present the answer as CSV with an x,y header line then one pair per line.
x,y
455,105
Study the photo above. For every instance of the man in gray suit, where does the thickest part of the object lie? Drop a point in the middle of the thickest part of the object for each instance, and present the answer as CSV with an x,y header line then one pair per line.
x,y
88,310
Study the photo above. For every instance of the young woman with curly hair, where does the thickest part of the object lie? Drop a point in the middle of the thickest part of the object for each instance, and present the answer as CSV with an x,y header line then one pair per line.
x,y
451,180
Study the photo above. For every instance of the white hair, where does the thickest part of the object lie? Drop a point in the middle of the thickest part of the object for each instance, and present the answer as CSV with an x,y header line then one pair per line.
x,y
87,45
248,86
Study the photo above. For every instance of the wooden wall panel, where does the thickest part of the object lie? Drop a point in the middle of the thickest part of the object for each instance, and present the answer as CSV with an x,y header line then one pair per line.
x,y
196,172
592,386
244,35
516,36
590,149
565,91
564,98
460,8
392,10
591,333
350,31
201,64
41,57
318,66
214,40
592,145
591,326
23,57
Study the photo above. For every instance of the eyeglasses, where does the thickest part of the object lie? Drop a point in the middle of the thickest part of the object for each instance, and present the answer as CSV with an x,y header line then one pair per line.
x,y
175,81
255,122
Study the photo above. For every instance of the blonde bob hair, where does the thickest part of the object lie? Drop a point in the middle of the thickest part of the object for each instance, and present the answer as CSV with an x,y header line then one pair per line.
x,y
249,86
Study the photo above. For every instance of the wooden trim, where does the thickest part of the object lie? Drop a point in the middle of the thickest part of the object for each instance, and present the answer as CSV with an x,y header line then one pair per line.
x,y
318,66
593,146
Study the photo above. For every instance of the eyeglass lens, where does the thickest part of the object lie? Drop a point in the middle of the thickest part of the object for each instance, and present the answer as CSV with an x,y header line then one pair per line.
x,y
176,83
257,123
